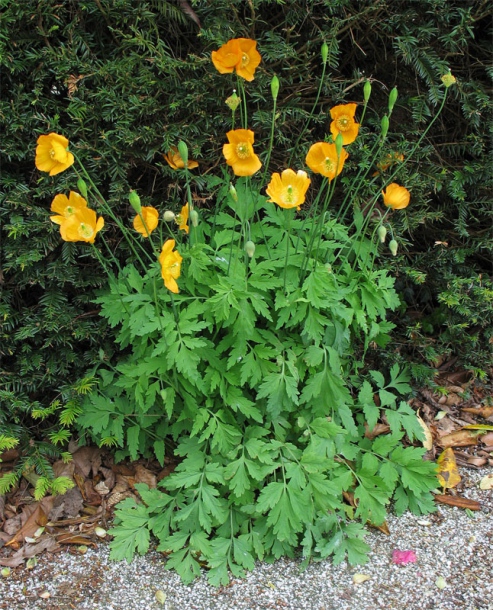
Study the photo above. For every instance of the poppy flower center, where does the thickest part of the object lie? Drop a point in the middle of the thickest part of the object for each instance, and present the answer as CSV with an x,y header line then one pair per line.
x,y
69,210
85,230
245,60
329,164
343,122
243,150
290,195
52,153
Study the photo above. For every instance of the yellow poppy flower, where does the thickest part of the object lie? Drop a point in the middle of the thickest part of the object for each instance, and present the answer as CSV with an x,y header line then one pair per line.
x,y
82,225
52,155
66,206
289,189
151,218
396,197
343,122
238,54
181,219
170,265
390,159
239,152
175,161
322,159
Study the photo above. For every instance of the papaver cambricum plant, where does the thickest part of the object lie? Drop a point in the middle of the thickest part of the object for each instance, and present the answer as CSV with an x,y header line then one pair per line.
x,y
243,331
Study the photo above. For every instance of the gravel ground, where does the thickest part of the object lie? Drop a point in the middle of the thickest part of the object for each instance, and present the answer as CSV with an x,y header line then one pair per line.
x,y
452,549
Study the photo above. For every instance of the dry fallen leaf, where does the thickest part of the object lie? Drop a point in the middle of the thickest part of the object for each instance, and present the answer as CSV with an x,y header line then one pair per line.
x,y
160,597
486,482
428,440
458,501
359,578
483,412
460,438
448,474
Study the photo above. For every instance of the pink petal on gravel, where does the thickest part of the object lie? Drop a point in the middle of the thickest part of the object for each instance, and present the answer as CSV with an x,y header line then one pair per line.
x,y
404,557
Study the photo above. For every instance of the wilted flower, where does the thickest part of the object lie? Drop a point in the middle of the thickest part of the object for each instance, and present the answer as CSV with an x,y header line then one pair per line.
x,y
52,154
82,225
151,218
233,101
322,159
175,160
403,557
396,197
289,189
238,54
169,216
182,218
239,152
390,159
170,262
343,122
66,206
448,80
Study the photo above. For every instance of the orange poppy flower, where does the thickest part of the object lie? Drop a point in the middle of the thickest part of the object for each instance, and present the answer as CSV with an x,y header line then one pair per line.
x,y
52,155
175,161
239,152
170,265
343,122
289,189
151,218
238,54
66,206
322,159
82,225
181,219
396,197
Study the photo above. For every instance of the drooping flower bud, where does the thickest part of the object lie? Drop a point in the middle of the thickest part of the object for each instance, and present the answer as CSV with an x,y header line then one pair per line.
x,y
385,125
135,201
274,87
183,150
250,248
339,143
233,193
392,99
233,101
393,245
82,186
448,80
194,218
382,232
367,91
169,216
324,51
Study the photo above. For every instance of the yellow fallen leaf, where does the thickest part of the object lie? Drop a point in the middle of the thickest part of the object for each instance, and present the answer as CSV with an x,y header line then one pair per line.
x,y
428,440
160,597
359,578
448,474
486,482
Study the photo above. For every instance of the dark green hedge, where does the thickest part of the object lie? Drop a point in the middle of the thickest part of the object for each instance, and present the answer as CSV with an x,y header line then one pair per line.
x,y
125,80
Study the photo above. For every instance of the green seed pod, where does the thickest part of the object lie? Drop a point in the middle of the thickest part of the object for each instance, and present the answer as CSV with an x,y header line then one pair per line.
x,y
367,91
274,87
233,193
194,218
250,248
169,216
183,150
382,232
324,51
393,245
385,125
392,99
82,186
135,201
339,143
164,394
233,101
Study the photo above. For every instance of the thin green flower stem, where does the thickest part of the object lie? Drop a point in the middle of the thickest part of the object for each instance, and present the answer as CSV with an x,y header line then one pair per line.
x,y
271,141
243,105
175,311
321,220
190,205
375,250
315,103
289,216
313,210
102,262
108,209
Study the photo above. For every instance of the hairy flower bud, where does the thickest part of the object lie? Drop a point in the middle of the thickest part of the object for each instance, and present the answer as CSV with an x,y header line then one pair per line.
x,y
194,218
183,150
339,142
250,248
448,80
169,216
393,245
324,51
385,125
82,186
233,101
135,201
367,91
392,99
274,87
382,232
233,193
